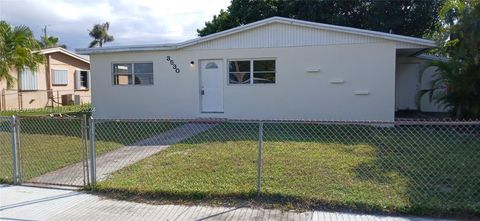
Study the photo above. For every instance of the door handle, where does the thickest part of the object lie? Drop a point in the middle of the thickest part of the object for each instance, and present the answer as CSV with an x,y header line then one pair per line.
x,y
202,92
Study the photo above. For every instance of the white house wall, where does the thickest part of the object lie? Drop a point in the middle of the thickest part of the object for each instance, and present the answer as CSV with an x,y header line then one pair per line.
x,y
366,68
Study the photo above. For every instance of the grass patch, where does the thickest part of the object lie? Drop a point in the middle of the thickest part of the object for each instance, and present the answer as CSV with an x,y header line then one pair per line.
x,y
48,144
408,169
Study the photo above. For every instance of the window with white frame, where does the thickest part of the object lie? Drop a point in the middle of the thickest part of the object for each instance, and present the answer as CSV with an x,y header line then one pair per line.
x,y
133,73
82,80
59,77
254,71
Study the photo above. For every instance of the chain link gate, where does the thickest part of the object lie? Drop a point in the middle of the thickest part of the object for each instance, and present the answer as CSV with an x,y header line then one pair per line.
x,y
52,150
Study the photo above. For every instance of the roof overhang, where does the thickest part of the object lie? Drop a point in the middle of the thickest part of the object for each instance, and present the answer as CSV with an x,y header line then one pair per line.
x,y
63,51
422,43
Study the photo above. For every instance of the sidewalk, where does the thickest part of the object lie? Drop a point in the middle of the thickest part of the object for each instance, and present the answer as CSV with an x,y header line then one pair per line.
x,y
32,203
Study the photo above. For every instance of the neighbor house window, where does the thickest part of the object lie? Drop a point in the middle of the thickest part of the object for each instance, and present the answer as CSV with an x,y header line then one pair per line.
x,y
133,74
82,80
59,77
251,71
28,80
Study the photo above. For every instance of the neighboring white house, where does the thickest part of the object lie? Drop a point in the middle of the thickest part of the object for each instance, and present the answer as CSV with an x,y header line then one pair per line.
x,y
276,68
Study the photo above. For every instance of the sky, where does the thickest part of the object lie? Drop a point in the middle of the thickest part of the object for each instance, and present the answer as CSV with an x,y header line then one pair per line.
x,y
132,22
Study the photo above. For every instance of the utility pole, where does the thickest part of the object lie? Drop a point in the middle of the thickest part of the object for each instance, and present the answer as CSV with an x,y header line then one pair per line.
x,y
44,30
47,68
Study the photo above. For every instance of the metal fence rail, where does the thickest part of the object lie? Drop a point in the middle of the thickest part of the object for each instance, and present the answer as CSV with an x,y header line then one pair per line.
x,y
403,164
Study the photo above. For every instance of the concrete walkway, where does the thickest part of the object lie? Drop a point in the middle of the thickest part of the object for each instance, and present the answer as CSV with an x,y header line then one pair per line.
x,y
115,160
32,203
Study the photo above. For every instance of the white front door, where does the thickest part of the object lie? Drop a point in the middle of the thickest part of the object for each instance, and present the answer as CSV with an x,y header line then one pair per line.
x,y
211,87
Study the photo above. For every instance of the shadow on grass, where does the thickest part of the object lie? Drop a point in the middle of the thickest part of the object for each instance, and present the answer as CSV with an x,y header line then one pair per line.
x,y
439,163
273,201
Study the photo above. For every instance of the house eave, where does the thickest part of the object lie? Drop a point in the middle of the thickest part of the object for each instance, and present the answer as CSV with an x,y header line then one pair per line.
x,y
63,51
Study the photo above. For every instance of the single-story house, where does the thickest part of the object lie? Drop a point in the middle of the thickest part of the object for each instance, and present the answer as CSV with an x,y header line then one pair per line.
x,y
276,68
62,79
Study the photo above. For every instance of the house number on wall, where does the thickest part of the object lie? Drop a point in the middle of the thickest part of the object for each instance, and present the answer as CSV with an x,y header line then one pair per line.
x,y
174,66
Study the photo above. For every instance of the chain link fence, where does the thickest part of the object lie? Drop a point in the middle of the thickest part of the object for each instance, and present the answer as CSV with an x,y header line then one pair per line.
x,y
408,165
394,166
6,171
218,156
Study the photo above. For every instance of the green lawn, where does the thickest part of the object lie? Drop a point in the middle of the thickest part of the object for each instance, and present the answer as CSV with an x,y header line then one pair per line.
x,y
412,169
50,144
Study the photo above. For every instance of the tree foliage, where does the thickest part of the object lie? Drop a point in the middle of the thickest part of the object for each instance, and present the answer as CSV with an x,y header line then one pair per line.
x,y
18,51
100,35
406,17
456,82
50,42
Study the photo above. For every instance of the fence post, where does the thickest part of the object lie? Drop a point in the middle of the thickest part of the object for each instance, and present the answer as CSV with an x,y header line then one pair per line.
x,y
259,167
20,100
86,173
2,101
58,100
15,153
93,164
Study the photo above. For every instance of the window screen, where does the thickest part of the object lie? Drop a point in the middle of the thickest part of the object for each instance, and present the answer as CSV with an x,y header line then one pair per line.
x,y
59,77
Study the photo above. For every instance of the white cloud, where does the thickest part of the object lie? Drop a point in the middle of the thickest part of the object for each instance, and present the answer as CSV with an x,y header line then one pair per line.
x,y
132,21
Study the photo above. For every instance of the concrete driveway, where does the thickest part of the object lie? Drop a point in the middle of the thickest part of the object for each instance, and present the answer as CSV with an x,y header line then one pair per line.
x,y
33,203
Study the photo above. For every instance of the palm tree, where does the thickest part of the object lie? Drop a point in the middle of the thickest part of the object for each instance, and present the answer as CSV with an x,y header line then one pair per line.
x,y
454,85
50,42
17,51
100,35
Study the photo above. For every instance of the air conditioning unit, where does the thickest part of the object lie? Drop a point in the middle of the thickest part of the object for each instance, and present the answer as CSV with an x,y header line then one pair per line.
x,y
70,99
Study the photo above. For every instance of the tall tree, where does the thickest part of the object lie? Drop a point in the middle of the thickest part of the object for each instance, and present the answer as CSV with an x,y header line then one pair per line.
x,y
100,35
18,50
406,17
456,82
49,41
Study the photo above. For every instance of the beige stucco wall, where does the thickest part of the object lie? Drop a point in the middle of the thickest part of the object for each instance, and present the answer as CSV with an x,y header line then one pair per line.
x,y
295,95
12,99
61,61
